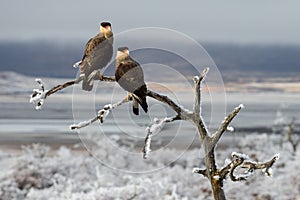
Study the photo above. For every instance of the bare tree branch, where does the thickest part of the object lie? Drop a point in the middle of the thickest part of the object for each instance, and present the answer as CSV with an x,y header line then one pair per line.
x,y
198,80
100,77
243,161
167,100
102,114
224,126
251,165
39,95
64,85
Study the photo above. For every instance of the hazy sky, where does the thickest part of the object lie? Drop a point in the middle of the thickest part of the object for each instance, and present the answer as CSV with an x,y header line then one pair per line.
x,y
238,21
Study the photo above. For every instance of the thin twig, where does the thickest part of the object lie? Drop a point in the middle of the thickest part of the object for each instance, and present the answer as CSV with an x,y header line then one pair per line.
x,y
198,80
101,114
152,129
224,126
62,86
197,170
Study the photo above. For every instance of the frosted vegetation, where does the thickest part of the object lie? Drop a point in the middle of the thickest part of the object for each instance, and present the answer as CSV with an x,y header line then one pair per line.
x,y
69,173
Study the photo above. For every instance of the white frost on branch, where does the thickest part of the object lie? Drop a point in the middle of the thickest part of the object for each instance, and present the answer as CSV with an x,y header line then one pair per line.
x,y
151,130
39,95
241,106
196,79
80,124
230,129
276,156
240,155
196,170
103,113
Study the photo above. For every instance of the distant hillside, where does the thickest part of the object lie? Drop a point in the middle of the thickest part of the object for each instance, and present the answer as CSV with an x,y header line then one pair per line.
x,y
56,60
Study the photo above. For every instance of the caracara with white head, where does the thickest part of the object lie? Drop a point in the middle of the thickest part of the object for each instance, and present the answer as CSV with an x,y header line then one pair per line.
x,y
98,52
130,77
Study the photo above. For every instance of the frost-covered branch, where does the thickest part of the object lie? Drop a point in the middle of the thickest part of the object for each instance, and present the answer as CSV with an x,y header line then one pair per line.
x,y
198,80
225,124
39,95
102,114
242,161
265,166
155,127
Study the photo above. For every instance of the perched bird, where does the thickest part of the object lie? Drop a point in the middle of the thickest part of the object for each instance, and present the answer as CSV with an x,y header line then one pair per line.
x,y
98,52
130,77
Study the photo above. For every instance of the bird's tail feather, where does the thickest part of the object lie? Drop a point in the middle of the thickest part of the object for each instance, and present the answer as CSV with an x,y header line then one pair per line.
x,y
88,86
135,106
88,82
142,101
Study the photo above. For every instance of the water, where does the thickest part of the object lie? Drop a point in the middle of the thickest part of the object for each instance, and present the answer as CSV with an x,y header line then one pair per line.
x,y
20,122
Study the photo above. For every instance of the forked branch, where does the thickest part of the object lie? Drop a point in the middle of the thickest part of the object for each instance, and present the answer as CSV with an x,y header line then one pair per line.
x,y
225,124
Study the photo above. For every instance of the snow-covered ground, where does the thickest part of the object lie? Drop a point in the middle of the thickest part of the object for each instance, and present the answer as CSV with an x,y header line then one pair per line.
x,y
39,172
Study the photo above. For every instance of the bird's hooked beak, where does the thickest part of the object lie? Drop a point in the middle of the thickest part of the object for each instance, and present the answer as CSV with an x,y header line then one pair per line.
x,y
105,29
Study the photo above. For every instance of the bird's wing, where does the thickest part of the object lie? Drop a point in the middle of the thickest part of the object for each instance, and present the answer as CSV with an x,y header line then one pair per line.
x,y
97,54
93,44
130,75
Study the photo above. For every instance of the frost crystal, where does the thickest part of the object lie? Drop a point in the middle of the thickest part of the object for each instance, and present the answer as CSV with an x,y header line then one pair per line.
x,y
196,169
240,155
230,129
241,106
39,95
103,113
154,128
196,78
80,125
277,156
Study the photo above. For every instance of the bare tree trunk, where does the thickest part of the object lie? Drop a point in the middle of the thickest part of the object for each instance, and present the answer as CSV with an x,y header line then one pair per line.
x,y
212,174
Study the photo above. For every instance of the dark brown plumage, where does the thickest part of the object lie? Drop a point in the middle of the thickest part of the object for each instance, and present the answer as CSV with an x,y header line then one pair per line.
x,y
130,77
98,52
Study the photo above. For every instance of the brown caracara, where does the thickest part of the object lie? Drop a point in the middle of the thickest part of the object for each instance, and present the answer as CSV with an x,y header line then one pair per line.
x,y
97,54
130,77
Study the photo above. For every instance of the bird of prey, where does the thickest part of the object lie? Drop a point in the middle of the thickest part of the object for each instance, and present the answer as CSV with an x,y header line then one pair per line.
x,y
130,77
97,54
